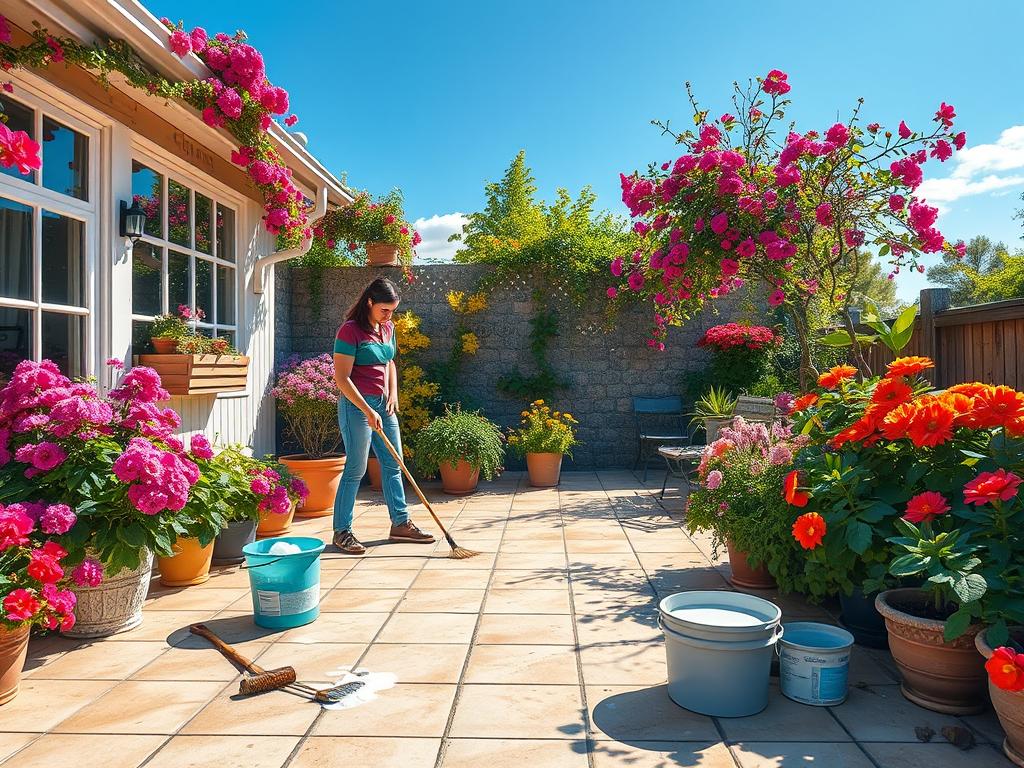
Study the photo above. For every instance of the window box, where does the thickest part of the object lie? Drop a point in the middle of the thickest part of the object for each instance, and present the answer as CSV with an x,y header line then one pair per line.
x,y
199,374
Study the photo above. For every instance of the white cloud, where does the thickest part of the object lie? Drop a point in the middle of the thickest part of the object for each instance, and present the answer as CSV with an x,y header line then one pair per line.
x,y
435,232
979,169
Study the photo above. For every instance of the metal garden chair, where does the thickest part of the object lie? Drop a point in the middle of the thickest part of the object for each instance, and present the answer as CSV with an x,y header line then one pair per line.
x,y
659,421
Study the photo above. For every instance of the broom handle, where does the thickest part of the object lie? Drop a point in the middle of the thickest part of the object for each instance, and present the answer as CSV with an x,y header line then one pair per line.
x,y
203,631
415,487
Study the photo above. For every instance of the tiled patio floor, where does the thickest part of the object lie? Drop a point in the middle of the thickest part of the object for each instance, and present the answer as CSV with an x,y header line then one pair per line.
x,y
542,652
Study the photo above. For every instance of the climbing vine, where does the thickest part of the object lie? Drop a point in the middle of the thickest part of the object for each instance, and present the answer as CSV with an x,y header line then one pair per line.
x,y
464,342
543,383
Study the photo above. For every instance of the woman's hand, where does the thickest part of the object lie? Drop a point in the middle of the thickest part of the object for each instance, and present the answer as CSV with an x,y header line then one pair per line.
x,y
392,404
374,420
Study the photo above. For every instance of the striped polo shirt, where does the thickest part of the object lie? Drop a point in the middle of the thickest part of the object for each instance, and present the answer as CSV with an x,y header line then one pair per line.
x,y
372,352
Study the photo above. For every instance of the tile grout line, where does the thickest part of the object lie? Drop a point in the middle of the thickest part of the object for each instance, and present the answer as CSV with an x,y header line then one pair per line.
x,y
853,738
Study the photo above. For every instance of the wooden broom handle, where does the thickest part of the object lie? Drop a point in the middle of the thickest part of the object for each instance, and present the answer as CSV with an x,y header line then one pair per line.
x,y
203,631
408,474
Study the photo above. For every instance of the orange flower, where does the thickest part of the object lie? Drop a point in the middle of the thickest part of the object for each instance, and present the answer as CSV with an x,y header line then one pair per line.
x,y
809,530
1015,428
970,389
831,378
896,423
1006,669
932,424
891,392
803,402
997,406
792,492
909,366
962,406
857,432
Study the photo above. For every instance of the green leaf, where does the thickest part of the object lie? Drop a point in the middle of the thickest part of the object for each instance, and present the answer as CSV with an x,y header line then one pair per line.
x,y
998,634
969,587
907,565
133,535
907,528
835,339
957,624
858,536
905,321
876,512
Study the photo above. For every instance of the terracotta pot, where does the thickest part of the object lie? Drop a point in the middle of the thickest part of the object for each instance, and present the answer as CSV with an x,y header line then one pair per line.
x,y
189,565
460,479
381,254
943,677
164,346
272,524
373,470
743,575
322,476
1009,706
543,469
116,604
13,650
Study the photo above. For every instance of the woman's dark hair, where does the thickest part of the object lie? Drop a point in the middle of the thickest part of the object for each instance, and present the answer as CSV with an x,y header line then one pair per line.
x,y
380,290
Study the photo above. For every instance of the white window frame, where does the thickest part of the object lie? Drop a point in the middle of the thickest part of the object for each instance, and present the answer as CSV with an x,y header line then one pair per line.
x,y
39,198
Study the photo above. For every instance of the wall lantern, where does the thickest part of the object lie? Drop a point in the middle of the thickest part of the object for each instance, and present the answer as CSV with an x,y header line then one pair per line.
x,y
133,221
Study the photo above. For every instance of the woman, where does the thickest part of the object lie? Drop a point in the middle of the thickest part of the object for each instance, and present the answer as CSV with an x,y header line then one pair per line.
x,y
364,370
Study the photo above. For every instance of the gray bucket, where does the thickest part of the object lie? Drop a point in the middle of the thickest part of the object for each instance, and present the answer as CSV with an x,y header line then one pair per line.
x,y
719,648
814,663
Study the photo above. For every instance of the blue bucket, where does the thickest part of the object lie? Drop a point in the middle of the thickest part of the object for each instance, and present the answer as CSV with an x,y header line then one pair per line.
x,y
285,588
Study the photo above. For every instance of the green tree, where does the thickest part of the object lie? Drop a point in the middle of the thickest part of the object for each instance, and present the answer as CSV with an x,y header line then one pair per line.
x,y
983,258
873,283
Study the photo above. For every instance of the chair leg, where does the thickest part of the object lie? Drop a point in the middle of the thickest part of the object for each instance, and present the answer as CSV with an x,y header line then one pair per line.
x,y
664,483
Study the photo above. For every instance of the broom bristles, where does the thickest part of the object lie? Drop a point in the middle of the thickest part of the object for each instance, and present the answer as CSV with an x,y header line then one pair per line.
x,y
461,553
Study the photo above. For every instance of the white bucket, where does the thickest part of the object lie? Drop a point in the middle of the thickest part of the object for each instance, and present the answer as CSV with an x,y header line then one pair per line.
x,y
814,663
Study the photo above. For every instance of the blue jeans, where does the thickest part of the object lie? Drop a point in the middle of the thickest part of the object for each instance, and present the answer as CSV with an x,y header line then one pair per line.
x,y
357,434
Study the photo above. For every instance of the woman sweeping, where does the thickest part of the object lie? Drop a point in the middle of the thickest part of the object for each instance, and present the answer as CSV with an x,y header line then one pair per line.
x,y
364,369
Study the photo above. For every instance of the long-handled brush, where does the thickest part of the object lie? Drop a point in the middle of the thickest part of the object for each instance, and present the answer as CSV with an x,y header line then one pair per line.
x,y
457,553
263,680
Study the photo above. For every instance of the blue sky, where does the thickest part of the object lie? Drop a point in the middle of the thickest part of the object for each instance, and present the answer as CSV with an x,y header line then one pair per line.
x,y
437,98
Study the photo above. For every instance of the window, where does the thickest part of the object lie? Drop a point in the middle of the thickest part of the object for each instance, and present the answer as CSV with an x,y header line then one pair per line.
x,y
47,223
186,257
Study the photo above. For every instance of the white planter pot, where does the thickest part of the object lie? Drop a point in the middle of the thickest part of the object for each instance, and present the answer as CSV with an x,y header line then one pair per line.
x,y
115,605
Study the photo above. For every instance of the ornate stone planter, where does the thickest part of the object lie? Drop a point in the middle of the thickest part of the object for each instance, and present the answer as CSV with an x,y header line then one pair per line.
x,y
115,605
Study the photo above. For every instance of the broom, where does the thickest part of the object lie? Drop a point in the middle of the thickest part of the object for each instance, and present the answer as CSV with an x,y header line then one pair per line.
x,y
457,553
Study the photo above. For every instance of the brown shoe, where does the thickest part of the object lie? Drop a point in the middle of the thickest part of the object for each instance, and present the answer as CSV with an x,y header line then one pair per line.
x,y
348,543
407,531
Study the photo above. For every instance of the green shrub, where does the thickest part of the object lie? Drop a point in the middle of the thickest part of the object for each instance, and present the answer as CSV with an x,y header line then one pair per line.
x,y
456,435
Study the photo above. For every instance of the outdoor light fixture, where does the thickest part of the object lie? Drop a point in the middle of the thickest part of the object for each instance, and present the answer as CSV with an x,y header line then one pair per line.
x,y
133,221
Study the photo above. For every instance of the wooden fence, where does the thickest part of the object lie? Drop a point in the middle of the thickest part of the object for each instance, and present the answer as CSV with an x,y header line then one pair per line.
x,y
984,342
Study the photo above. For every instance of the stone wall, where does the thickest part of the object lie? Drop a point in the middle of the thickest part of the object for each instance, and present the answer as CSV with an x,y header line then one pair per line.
x,y
604,369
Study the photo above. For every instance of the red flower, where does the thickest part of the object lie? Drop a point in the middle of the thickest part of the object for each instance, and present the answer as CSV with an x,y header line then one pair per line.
x,y
803,402
909,366
21,605
925,507
809,529
997,406
831,378
932,425
857,432
1006,669
991,486
792,491
44,568
18,150
891,392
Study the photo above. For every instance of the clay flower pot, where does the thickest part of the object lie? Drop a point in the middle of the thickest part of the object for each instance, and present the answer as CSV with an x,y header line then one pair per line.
x,y
544,469
1009,706
381,254
322,476
373,471
189,565
743,575
272,524
165,346
460,479
13,650
943,677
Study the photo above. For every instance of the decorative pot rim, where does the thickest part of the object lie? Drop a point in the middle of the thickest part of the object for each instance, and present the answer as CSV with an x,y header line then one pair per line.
x,y
303,458
982,644
890,612
545,453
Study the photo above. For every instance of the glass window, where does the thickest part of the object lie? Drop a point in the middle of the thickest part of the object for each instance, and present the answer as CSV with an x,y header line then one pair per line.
x,y
19,118
63,273
204,288
64,342
225,296
179,218
225,233
178,281
15,338
204,210
147,266
147,191
65,160
140,338
15,250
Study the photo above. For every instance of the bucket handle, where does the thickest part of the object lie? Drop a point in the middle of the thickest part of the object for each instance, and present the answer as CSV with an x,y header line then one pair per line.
x,y
248,567
774,640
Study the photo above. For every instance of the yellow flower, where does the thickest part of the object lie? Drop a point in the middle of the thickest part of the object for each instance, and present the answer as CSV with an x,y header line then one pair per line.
x,y
455,299
470,343
476,302
538,402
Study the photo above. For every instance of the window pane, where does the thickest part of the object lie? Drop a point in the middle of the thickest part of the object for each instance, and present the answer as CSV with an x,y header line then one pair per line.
x,y
64,342
225,296
204,209
147,264
15,250
15,338
177,281
179,228
65,160
204,288
140,338
64,272
230,336
225,233
147,191
19,118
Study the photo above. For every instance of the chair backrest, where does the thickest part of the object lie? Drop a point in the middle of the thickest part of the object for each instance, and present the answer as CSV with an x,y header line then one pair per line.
x,y
670,405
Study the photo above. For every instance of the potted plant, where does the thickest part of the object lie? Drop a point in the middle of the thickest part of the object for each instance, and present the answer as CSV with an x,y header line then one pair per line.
x,y
738,501
714,410
278,494
167,330
307,398
379,227
1005,668
544,437
34,575
462,446
115,461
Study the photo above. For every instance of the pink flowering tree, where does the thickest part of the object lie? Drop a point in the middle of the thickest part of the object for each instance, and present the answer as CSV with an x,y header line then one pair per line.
x,y
796,212
307,398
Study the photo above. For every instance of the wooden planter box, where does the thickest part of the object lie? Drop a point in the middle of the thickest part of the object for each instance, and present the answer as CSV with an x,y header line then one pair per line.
x,y
199,374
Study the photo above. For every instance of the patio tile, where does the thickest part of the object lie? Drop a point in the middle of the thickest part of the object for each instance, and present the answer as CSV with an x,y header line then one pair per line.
x,y
784,718
451,579
168,626
194,599
42,704
204,751
333,561
373,578
12,742
527,601
514,561
195,662
69,750
664,754
880,713
338,628
535,534
525,629
97,662
657,543
515,753
142,706
387,752
537,664
482,562
519,712
623,664
342,600
442,601
629,627
275,713
417,662
684,580
534,547
786,754
867,669
321,662
632,713
604,546
986,727
429,628
936,755
416,709
536,579
386,562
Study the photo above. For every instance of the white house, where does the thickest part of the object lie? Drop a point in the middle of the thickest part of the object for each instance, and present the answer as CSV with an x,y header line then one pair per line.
x,y
71,288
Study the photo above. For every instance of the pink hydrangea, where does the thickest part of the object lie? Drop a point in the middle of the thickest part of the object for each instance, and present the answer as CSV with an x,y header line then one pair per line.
x,y
89,573
200,447
180,42
15,526
57,519
713,480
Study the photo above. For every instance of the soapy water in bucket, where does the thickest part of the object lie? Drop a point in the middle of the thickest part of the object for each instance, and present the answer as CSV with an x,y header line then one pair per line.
x,y
373,683
284,548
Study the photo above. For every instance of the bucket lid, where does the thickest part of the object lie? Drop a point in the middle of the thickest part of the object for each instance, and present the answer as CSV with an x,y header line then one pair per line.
x,y
814,636
710,610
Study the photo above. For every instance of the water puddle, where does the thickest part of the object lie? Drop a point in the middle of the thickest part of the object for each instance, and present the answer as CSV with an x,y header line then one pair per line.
x,y
373,682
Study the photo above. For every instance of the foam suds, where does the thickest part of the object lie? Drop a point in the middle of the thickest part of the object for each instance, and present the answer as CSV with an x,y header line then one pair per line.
x,y
284,548
374,682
